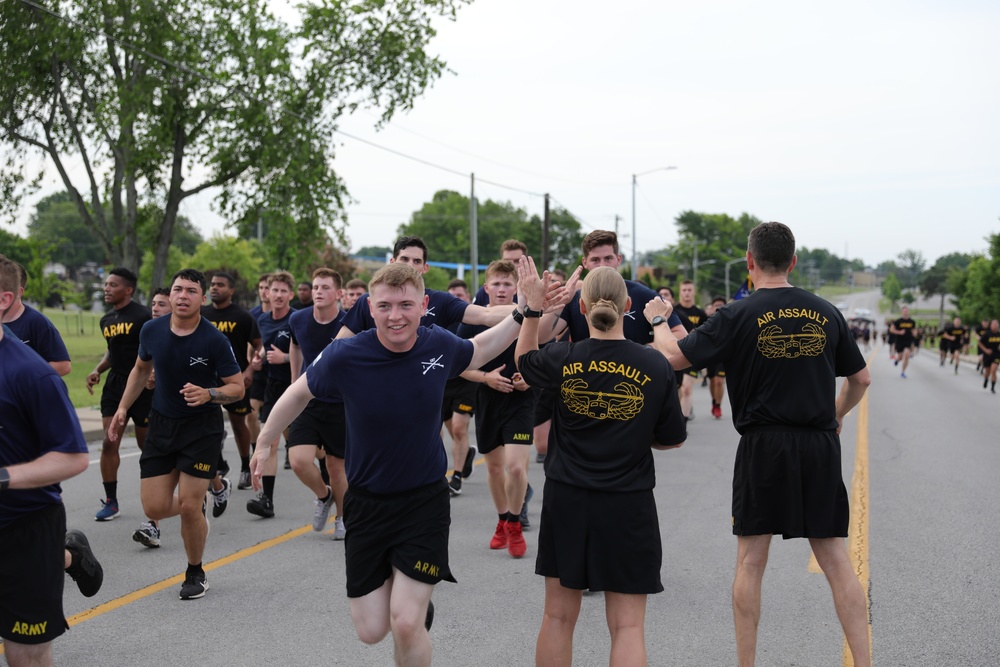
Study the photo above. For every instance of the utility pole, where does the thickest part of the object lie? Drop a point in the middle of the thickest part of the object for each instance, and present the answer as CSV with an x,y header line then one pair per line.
x,y
545,235
617,220
474,236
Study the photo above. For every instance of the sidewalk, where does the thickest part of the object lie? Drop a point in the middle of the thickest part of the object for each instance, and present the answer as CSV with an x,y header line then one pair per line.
x,y
93,429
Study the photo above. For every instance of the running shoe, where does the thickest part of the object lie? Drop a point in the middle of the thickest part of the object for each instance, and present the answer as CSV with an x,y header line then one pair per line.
x,y
262,506
194,586
717,411
339,529
902,375
429,619
84,568
109,507
516,546
147,534
470,460
244,482
455,484
499,540
528,495
322,512
220,500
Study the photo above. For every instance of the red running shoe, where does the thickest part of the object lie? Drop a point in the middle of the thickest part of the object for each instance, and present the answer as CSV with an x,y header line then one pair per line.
x,y
516,546
499,540
717,411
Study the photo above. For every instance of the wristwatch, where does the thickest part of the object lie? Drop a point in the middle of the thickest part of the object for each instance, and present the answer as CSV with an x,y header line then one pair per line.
x,y
658,320
528,312
211,394
4,479
516,314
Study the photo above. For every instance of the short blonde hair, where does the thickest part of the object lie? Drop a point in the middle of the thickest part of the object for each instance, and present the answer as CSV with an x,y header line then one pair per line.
x,y
398,276
282,277
605,295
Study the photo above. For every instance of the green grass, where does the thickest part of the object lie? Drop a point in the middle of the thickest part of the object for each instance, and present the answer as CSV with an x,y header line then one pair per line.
x,y
81,332
833,291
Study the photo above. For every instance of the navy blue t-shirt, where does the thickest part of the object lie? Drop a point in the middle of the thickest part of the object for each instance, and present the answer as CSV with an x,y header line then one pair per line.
x,y
201,358
36,417
37,332
277,333
636,327
443,309
393,405
313,337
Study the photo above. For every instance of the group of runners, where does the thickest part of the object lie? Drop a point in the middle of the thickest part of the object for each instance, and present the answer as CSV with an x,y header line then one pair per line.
x,y
591,374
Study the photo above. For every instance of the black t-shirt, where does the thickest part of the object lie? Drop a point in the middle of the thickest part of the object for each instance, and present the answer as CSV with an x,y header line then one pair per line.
x,y
238,325
505,358
636,327
692,317
121,331
991,341
958,334
907,326
202,358
784,349
615,399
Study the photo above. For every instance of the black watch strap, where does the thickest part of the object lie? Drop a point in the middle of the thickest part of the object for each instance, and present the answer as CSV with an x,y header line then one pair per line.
x,y
4,479
528,312
518,317
658,320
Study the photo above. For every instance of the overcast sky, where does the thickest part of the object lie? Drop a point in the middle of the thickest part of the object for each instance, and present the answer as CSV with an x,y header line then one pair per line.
x,y
868,127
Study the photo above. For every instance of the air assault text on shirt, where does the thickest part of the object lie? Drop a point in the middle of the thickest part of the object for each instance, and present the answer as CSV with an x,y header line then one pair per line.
x,y
602,366
789,313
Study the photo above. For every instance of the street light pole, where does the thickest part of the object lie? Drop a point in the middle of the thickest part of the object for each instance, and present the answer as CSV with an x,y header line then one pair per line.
x,y
728,264
635,254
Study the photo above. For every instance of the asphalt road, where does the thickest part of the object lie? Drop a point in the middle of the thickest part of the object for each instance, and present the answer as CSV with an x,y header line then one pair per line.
x,y
277,589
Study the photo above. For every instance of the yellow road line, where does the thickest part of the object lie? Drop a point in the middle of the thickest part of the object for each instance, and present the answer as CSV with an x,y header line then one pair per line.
x,y
129,598
857,536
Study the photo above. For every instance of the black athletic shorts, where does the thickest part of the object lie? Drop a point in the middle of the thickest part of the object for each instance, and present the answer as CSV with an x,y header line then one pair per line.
x,y
273,391
32,558
256,390
902,344
460,397
111,396
504,419
954,346
240,407
990,359
545,405
789,482
407,531
600,540
191,445
323,424
679,376
716,371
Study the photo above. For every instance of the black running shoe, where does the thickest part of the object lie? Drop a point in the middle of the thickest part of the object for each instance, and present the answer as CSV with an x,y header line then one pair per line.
x,y
194,586
470,459
455,484
262,506
84,568
429,619
528,495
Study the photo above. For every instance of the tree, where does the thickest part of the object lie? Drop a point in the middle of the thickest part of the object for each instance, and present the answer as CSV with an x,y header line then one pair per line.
x,y
56,223
934,281
443,224
238,257
911,265
145,96
375,251
891,289
14,247
980,285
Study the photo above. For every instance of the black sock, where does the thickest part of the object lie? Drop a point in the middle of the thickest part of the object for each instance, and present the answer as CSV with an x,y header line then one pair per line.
x,y
194,569
327,496
111,489
268,482
503,517
324,473
513,518
245,463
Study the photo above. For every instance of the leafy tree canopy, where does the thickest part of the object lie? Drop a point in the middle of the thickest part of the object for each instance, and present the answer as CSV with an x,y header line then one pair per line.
x,y
160,100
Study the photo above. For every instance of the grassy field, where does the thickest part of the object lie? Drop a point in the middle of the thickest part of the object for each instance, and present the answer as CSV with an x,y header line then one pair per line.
x,y
82,334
